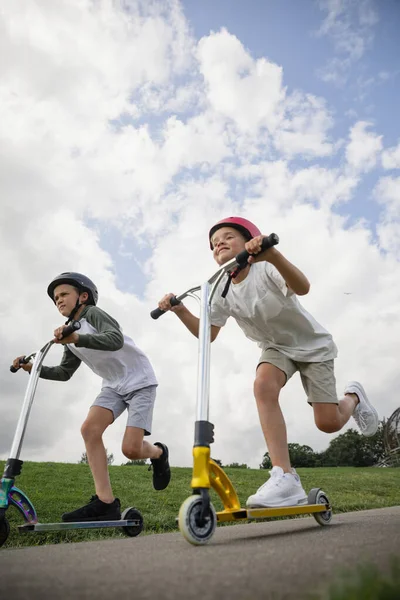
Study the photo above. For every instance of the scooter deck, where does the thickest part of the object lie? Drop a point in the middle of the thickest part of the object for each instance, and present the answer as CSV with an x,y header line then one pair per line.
x,y
265,513
28,527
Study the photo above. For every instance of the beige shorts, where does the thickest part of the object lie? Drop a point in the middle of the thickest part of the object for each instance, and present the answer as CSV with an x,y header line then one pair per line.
x,y
318,378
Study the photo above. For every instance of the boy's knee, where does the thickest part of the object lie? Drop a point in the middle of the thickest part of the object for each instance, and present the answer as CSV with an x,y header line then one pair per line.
x,y
327,417
132,451
90,431
327,425
266,389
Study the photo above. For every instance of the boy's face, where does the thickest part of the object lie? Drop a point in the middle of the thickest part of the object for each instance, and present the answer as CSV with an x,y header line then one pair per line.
x,y
227,242
65,297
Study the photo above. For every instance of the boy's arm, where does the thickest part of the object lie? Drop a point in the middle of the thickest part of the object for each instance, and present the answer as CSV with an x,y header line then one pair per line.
x,y
294,278
192,322
65,370
109,336
187,318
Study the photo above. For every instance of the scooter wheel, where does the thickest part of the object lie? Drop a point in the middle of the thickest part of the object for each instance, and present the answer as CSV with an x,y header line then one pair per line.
x,y
317,496
4,530
192,529
134,515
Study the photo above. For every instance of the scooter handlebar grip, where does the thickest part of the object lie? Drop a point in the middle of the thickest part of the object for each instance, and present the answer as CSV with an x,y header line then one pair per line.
x,y
267,242
70,329
157,312
22,361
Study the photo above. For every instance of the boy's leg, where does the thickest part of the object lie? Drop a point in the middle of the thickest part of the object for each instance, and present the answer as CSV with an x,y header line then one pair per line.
x,y
135,447
92,430
267,386
332,417
103,506
283,488
140,416
331,414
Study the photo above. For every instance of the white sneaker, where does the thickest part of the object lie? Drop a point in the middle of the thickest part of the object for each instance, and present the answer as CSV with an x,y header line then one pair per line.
x,y
364,413
281,489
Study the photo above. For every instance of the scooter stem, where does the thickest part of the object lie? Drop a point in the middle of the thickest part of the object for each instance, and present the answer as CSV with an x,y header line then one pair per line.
x,y
203,373
28,399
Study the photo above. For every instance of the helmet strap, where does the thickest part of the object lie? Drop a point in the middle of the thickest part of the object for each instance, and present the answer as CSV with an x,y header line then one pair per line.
x,y
74,311
232,275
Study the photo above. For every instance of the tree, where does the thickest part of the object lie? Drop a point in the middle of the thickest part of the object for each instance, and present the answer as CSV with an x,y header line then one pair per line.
x,y
266,462
84,459
352,449
236,465
302,456
219,462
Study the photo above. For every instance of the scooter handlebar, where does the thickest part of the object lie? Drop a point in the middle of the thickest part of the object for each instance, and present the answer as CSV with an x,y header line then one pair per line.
x,y
157,312
241,259
268,242
74,326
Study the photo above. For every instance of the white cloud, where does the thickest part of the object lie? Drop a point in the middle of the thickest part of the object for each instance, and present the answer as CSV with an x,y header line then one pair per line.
x,y
284,187
391,158
304,129
387,194
364,147
122,116
349,23
248,92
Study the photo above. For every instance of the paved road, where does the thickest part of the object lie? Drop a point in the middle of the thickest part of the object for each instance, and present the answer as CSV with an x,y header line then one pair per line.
x,y
276,560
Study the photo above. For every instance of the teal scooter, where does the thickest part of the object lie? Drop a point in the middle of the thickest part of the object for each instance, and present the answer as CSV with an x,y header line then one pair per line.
x,y
131,521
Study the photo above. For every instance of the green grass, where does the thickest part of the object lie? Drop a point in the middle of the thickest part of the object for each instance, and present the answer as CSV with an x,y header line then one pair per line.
x,y
55,488
366,582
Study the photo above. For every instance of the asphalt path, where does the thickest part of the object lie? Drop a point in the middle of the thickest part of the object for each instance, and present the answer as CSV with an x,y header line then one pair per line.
x,y
274,560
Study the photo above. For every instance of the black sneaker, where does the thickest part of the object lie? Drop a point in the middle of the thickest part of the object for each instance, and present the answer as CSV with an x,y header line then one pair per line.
x,y
161,470
95,510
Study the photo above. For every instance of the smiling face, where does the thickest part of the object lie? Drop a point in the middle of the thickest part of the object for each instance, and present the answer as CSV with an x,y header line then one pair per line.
x,y
227,242
65,297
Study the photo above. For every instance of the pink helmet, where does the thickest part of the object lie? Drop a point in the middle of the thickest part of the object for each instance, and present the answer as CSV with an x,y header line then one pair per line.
x,y
246,228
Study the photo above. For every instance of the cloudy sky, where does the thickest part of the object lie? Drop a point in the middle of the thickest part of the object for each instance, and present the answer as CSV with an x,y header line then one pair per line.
x,y
129,127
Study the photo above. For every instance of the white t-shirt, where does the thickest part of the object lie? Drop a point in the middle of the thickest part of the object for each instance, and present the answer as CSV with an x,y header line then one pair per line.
x,y
270,314
125,370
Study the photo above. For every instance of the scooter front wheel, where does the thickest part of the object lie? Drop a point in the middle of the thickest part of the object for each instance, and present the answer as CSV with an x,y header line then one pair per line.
x,y
132,514
317,496
196,528
4,530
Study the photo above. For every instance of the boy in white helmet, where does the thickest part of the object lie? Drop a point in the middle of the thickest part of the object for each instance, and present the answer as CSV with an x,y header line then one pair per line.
x,y
129,383
262,298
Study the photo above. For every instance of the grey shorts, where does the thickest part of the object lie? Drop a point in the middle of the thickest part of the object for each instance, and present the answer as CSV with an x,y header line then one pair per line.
x,y
140,405
318,378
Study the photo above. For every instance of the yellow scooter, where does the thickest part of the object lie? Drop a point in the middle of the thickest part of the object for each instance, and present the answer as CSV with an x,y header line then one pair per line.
x,y
197,517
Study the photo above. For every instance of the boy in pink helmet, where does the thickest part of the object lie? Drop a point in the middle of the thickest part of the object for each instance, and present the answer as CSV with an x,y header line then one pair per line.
x,y
263,301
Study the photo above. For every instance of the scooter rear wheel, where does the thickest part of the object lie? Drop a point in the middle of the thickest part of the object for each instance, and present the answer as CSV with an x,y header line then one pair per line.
x,y
4,530
192,529
317,496
134,515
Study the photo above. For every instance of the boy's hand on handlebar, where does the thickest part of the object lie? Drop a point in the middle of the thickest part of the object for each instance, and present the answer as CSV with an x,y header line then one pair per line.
x,y
70,339
17,365
254,247
165,304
